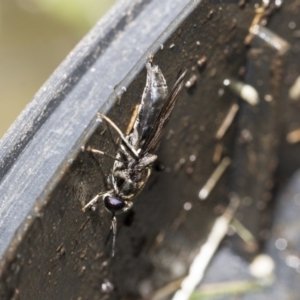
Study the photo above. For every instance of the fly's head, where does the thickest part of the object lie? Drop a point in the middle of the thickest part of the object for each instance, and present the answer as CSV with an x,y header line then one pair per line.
x,y
115,204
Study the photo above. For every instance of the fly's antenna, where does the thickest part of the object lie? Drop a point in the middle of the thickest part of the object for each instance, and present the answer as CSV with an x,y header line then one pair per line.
x,y
95,151
113,233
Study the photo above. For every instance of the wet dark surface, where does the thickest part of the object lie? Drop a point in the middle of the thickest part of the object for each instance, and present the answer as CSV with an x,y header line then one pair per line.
x,y
282,245
60,252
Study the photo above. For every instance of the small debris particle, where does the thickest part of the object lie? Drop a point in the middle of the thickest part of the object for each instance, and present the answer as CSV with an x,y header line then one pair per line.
x,y
191,82
210,14
202,62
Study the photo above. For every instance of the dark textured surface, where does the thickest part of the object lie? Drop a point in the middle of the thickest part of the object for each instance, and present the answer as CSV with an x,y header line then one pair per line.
x,y
46,132
271,74
256,157
59,252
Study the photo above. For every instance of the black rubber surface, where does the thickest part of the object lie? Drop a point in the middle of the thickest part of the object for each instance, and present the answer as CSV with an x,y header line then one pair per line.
x,y
52,250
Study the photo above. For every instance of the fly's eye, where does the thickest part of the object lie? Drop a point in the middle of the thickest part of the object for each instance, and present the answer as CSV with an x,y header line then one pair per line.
x,y
113,204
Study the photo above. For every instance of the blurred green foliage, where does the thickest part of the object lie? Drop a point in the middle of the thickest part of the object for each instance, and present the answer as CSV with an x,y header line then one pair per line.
x,y
36,35
80,14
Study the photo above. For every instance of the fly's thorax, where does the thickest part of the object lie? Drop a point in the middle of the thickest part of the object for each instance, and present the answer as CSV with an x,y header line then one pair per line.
x,y
144,175
127,183
123,159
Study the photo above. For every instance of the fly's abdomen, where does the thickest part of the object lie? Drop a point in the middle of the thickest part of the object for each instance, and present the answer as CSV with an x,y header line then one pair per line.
x,y
154,96
159,89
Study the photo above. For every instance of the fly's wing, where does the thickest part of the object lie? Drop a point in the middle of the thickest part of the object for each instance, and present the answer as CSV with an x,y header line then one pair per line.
x,y
153,99
161,121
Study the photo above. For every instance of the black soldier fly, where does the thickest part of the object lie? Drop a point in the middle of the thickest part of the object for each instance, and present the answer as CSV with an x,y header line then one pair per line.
x,y
134,158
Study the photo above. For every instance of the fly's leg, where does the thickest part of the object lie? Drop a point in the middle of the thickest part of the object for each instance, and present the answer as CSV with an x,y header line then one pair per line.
x,y
107,185
93,201
117,129
95,151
